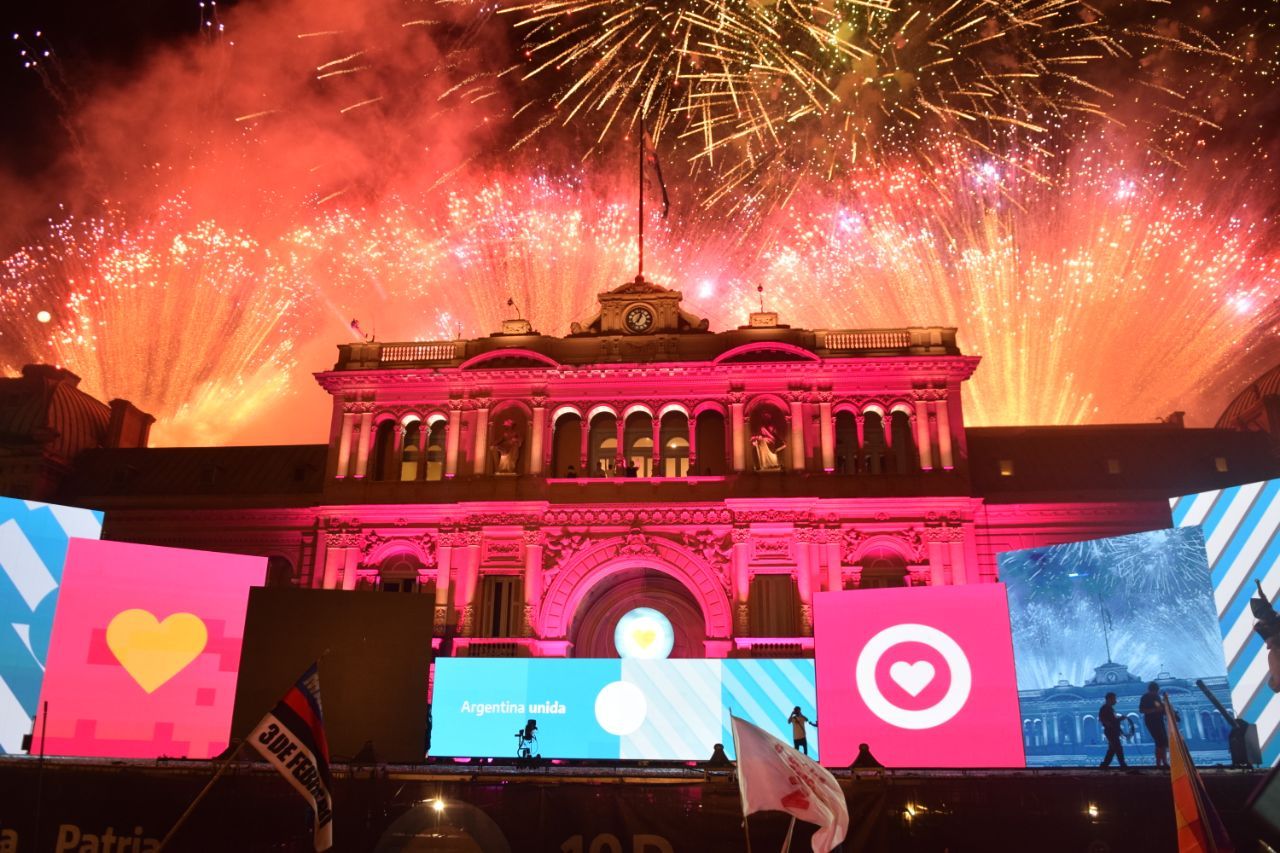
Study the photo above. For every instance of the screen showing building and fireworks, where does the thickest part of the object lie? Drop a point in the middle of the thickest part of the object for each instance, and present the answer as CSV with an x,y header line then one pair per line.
x,y
1113,616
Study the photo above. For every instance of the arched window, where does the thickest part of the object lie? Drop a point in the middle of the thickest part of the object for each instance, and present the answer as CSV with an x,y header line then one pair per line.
x,y
384,460
873,447
410,460
435,451
903,454
882,568
674,434
566,444
603,447
846,443
711,453
638,436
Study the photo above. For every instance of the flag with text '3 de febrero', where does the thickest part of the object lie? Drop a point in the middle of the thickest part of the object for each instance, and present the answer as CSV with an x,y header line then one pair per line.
x,y
291,737
774,777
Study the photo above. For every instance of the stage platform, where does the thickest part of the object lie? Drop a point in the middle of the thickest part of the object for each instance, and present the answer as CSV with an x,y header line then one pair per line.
x,y
617,807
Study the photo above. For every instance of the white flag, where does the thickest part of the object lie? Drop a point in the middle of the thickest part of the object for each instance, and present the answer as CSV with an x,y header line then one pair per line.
x,y
774,777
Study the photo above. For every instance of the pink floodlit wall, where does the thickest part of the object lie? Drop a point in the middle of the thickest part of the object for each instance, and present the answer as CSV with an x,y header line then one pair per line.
x,y
145,650
925,677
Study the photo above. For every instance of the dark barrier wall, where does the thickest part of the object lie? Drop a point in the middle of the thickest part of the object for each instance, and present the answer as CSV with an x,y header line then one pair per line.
x,y
373,680
253,809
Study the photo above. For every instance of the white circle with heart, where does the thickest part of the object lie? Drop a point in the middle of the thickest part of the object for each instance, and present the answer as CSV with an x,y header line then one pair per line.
x,y
913,676
644,633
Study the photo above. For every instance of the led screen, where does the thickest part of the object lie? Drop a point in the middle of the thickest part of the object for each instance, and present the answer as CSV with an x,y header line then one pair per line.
x,y
923,676
145,650
608,709
1111,615
1240,527
33,546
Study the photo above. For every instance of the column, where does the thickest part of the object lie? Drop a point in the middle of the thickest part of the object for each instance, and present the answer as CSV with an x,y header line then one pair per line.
x,y
334,558
922,435
480,464
452,439
739,435
366,440
827,428
536,437
344,445
959,574
319,553
937,558
619,452
423,432
835,568
584,450
860,420
693,446
444,559
944,434
532,578
468,580
397,448
797,434
741,578
349,569
804,581
655,469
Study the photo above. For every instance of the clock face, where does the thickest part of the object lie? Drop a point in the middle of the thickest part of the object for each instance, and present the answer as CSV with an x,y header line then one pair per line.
x,y
639,319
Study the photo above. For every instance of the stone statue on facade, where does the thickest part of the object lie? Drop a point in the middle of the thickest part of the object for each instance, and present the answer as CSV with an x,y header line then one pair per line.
x,y
767,444
506,450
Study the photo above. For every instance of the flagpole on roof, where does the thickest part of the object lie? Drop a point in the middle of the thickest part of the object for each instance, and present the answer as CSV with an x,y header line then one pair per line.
x,y
640,177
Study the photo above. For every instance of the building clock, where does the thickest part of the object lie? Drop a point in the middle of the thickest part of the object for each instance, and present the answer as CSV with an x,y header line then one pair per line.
x,y
639,318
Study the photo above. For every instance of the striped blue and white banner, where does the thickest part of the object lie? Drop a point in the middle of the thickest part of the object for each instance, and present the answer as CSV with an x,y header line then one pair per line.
x,y
1240,527
33,548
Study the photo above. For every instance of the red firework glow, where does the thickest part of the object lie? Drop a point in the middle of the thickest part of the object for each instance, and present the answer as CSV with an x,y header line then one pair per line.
x,y
240,198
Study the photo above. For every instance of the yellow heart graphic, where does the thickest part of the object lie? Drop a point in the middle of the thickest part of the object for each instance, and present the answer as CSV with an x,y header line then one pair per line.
x,y
645,637
153,651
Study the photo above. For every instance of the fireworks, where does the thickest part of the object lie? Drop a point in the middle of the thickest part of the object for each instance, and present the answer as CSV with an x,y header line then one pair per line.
x,y
770,93
1112,297
186,320
869,162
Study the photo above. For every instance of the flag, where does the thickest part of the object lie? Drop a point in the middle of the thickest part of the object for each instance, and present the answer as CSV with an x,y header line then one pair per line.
x,y
651,154
1200,830
291,737
774,777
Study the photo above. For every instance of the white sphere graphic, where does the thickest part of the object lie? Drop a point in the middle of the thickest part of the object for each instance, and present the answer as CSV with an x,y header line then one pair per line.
x,y
644,633
621,708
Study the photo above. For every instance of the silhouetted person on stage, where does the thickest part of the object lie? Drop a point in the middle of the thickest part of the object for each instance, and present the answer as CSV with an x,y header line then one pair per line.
x,y
1152,710
799,735
718,757
1110,721
865,760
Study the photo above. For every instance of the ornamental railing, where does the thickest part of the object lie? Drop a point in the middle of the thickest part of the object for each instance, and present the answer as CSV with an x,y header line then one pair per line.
x,y
398,353
868,339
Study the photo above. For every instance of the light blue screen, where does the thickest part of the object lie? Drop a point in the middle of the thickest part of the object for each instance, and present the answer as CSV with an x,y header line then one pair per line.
x,y
33,548
609,709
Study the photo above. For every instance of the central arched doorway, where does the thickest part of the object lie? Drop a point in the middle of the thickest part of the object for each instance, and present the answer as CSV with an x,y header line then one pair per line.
x,y
600,610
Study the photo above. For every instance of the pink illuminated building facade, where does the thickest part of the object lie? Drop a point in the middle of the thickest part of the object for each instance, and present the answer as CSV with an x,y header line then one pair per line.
x,y
539,488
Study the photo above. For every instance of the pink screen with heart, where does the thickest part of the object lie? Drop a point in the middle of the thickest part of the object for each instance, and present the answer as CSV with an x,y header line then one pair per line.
x,y
145,650
923,676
